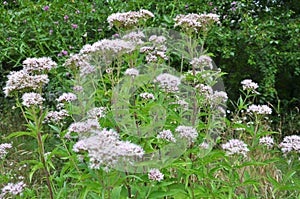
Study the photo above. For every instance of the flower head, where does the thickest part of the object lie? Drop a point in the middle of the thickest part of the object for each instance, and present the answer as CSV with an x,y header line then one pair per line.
x,y
131,72
128,19
248,84
32,99
235,146
290,143
67,97
22,80
46,8
267,141
202,62
259,109
187,132
168,82
166,135
38,64
155,174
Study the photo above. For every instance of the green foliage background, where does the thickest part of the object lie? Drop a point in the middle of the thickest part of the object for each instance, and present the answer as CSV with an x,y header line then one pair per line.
x,y
256,39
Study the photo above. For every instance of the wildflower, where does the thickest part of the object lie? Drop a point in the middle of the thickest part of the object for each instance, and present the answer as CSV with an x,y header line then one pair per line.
x,y
50,32
147,96
4,2
67,97
74,26
135,37
97,112
56,116
105,148
84,126
131,72
157,39
219,97
3,149
66,17
81,62
22,80
77,12
290,143
64,52
259,109
235,146
202,62
78,88
195,22
32,99
248,84
168,82
128,19
38,64
187,132
266,140
155,174
14,189
80,145
166,135
46,8
116,46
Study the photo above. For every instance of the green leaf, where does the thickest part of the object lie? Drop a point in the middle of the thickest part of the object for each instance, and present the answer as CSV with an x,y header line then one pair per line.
x,y
20,133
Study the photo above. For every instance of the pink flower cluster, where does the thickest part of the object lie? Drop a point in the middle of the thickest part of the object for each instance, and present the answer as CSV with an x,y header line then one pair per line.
x,y
128,19
187,132
32,99
235,146
38,64
195,22
3,149
168,82
106,149
202,62
166,135
13,189
155,175
290,143
259,109
22,80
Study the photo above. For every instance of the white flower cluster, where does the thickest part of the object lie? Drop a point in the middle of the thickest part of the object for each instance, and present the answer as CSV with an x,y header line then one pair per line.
x,y
259,109
106,148
97,112
22,80
187,132
235,146
108,49
205,90
32,99
81,62
219,97
67,97
135,37
168,82
128,19
290,143
248,84
3,149
147,96
56,116
157,50
131,72
267,141
38,64
166,135
84,126
195,22
13,189
202,62
155,174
